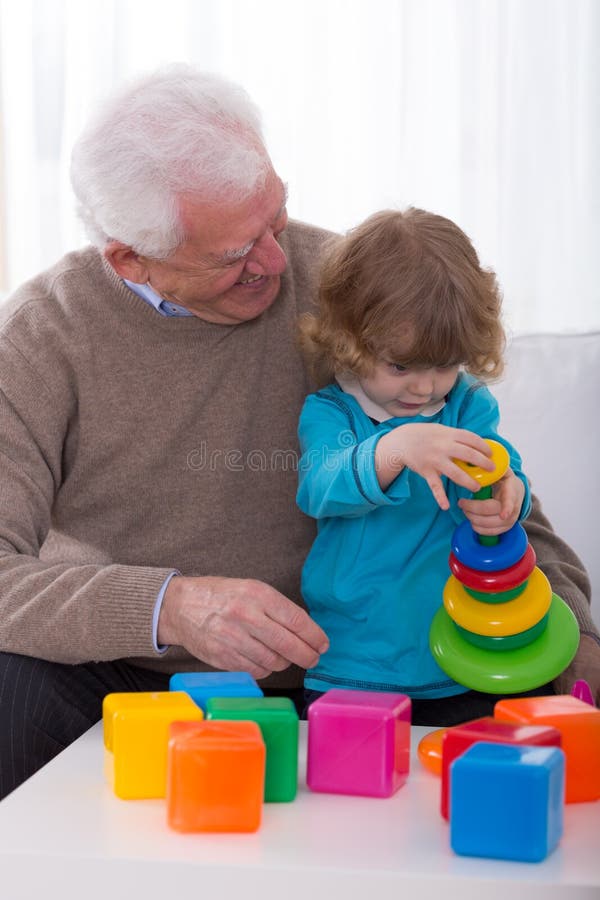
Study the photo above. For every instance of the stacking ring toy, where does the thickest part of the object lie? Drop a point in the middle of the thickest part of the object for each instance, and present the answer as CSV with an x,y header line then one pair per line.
x,y
508,641
499,619
429,750
502,580
501,461
500,628
497,597
511,546
514,671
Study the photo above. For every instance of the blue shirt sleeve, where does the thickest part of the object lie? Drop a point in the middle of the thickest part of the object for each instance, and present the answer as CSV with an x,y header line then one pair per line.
x,y
337,475
157,608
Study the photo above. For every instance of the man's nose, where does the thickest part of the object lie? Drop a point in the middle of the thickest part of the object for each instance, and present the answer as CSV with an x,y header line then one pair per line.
x,y
266,256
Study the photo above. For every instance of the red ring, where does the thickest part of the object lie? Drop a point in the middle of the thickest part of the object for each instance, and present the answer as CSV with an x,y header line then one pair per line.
x,y
494,582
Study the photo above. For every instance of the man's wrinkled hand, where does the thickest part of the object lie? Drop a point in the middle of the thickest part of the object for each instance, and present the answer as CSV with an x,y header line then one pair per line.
x,y
239,624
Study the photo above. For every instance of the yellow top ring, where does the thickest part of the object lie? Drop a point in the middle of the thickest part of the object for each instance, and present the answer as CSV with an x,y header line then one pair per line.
x,y
501,461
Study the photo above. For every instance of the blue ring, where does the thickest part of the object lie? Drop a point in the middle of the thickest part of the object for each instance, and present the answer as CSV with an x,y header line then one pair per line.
x,y
510,548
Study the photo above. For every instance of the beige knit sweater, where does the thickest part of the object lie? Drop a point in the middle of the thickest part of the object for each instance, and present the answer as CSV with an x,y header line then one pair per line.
x,y
132,445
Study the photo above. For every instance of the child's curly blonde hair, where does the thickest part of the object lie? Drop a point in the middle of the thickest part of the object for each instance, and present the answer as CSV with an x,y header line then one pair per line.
x,y
404,274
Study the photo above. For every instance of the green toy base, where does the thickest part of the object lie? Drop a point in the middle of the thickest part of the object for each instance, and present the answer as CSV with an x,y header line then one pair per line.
x,y
508,671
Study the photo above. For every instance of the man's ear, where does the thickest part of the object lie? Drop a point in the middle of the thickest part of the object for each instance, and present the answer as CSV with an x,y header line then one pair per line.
x,y
126,262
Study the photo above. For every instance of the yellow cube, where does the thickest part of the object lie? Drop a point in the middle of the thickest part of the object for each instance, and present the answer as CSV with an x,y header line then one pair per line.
x,y
136,738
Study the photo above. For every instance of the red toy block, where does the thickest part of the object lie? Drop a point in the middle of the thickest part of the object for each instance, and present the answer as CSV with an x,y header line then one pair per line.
x,y
579,726
461,737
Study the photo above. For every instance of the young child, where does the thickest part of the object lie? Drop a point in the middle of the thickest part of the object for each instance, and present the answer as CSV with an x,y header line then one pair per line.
x,y
407,331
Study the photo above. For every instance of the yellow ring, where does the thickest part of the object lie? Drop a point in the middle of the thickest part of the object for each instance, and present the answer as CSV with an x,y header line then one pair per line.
x,y
501,461
499,619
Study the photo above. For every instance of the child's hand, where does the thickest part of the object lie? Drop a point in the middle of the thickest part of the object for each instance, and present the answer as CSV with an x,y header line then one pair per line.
x,y
500,512
430,451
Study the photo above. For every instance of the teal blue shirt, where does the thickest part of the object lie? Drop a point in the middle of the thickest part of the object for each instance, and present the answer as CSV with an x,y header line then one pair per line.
x,y
375,574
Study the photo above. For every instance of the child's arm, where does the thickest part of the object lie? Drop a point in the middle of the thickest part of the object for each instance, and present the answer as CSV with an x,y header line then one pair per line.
x,y
336,473
430,451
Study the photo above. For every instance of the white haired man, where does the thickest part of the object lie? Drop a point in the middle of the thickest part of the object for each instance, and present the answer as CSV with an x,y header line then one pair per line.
x,y
150,386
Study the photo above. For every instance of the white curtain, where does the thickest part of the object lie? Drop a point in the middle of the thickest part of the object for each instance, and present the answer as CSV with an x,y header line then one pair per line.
x,y
483,110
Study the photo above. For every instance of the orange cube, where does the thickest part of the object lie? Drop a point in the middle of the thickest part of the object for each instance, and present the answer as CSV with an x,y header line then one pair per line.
x,y
579,725
215,776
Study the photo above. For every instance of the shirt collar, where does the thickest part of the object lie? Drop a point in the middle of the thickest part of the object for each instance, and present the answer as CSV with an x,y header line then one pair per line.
x,y
163,307
350,385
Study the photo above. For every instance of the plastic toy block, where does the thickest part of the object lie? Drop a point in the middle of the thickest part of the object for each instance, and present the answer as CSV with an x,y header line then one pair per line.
x,y
278,722
459,738
429,750
216,776
579,725
203,685
358,743
136,735
507,801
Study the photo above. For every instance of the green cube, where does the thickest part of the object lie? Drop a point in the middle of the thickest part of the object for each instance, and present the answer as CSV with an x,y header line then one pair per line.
x,y
278,721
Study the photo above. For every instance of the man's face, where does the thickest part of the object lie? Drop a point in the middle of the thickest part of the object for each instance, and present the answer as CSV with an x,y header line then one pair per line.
x,y
228,268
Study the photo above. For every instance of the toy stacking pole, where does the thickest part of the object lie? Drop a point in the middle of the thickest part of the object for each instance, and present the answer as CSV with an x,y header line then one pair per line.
x,y
484,493
500,629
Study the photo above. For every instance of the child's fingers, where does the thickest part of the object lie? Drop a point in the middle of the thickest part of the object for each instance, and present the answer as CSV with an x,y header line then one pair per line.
x,y
461,477
472,449
437,489
484,515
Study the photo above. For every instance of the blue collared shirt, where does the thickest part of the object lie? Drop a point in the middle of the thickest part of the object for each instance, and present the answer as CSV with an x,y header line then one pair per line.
x,y
163,307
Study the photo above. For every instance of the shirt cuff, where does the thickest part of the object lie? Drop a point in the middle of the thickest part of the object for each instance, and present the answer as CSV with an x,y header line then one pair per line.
x,y
156,614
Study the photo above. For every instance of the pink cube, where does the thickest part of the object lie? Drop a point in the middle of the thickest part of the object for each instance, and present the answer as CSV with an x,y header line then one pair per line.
x,y
358,743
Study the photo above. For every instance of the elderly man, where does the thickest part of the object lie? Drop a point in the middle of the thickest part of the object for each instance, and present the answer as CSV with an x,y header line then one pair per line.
x,y
150,386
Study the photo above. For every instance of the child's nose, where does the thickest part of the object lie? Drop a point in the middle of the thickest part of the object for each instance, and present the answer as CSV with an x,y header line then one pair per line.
x,y
422,383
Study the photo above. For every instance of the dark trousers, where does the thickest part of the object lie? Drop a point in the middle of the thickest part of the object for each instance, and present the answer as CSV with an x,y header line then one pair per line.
x,y
45,706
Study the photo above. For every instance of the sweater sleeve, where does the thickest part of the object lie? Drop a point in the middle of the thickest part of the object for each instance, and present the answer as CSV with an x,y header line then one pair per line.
x,y
71,611
337,475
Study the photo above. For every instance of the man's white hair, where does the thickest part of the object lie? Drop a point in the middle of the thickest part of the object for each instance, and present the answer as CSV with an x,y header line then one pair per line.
x,y
176,131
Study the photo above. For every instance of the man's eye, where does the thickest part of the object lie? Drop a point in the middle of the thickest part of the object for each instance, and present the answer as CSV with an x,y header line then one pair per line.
x,y
231,263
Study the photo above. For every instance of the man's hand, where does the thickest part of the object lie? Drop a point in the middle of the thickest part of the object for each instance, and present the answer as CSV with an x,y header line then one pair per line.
x,y
586,666
239,625
500,512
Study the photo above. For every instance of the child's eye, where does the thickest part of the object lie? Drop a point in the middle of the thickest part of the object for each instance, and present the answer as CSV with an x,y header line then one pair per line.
x,y
397,367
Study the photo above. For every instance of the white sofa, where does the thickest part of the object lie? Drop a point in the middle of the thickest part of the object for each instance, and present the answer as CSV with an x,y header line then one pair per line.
x,y
550,409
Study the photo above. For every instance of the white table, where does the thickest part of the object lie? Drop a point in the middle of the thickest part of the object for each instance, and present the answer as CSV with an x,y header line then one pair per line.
x,y
63,834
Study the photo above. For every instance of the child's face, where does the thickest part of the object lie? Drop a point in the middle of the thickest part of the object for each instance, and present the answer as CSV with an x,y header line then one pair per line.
x,y
407,392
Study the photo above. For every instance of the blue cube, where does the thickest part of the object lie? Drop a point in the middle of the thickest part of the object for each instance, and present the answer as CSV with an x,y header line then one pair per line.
x,y
203,685
507,801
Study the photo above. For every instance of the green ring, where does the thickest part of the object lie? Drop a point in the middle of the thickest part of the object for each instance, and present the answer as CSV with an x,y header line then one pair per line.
x,y
515,670
497,596
508,641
